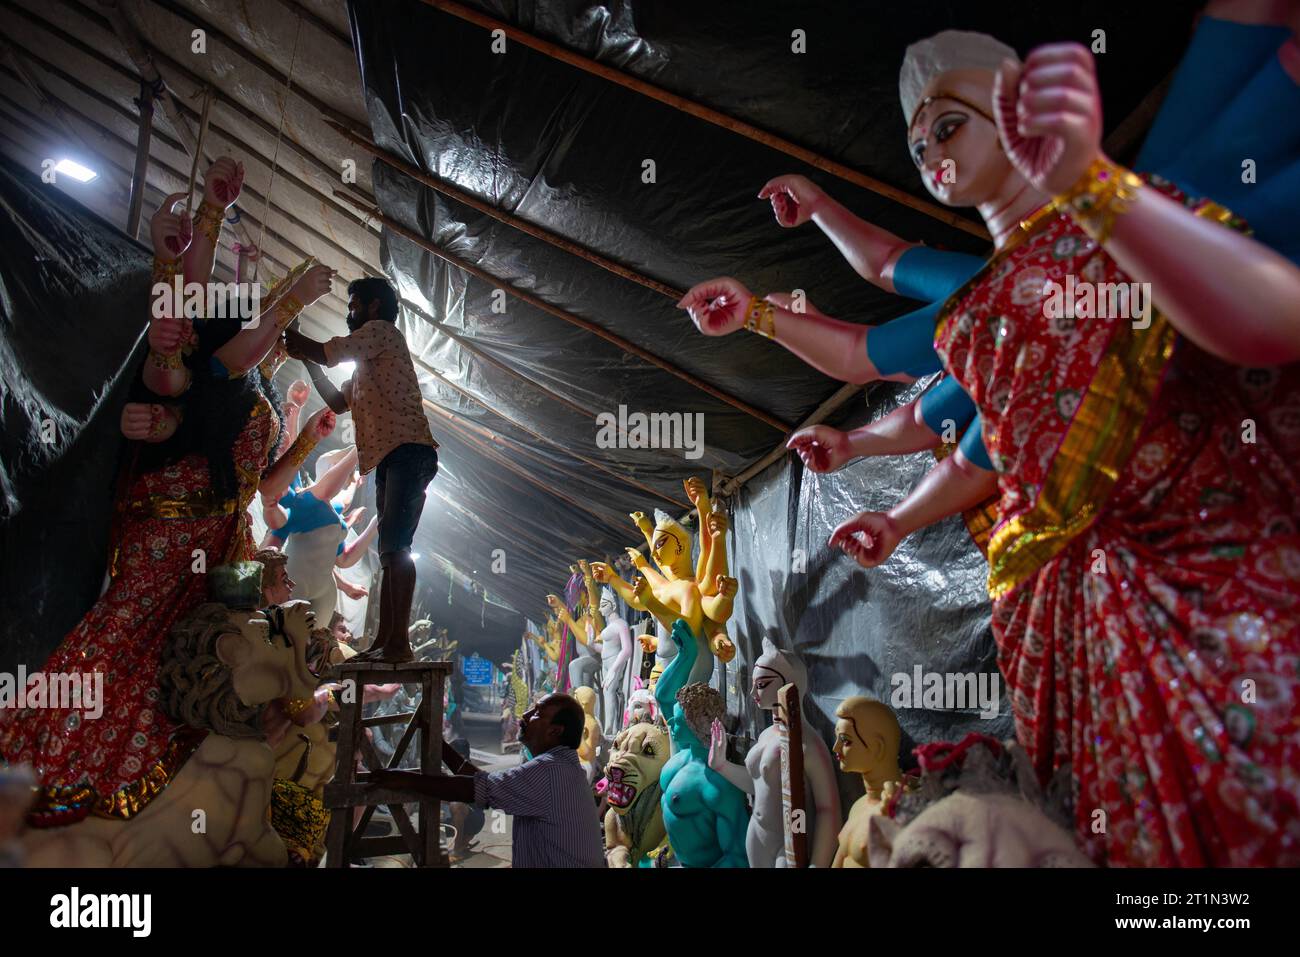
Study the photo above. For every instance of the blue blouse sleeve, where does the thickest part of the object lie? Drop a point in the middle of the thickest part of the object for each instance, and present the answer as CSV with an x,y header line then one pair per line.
x,y
906,344
932,275
947,402
972,445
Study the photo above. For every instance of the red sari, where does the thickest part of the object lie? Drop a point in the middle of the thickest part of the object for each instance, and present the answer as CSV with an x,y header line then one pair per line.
x,y
114,765
1145,564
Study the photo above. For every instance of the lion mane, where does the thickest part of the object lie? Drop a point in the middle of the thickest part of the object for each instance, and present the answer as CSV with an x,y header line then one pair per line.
x,y
196,687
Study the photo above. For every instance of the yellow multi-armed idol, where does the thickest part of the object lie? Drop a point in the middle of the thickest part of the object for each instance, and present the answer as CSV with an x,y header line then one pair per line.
x,y
701,596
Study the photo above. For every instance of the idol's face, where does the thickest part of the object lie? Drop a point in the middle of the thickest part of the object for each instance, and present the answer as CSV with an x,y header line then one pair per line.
x,y
848,749
666,548
279,589
606,606
955,147
764,687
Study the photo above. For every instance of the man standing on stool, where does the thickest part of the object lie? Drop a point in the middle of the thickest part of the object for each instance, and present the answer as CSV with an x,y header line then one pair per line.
x,y
393,439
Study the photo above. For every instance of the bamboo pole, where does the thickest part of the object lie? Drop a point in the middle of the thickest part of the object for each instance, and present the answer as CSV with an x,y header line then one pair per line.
x,y
141,172
709,115
565,315
515,222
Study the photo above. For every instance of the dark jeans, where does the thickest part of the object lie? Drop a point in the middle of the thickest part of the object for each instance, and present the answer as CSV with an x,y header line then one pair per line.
x,y
400,480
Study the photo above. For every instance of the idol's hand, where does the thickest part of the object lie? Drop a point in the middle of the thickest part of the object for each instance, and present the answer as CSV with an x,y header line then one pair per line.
x,y
636,558
717,745
321,423
649,643
723,648
869,538
1049,115
601,572
166,335
717,306
298,393
313,284
170,231
717,525
726,586
695,490
794,198
224,181
139,419
351,590
557,606
822,448
640,588
640,521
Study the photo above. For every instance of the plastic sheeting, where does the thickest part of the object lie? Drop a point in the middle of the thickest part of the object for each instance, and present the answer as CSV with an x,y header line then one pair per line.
x,y
569,151
74,294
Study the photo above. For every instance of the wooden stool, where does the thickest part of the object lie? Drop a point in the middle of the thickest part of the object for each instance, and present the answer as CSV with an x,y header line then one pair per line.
x,y
345,844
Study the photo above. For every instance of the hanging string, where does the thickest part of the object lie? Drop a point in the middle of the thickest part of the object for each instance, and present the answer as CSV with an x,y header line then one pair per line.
x,y
198,148
279,133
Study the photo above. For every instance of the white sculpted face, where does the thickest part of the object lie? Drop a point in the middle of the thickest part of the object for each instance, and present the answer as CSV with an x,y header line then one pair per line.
x,y
268,662
765,687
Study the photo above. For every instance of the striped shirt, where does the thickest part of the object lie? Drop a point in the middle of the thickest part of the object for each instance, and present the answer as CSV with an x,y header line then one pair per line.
x,y
555,816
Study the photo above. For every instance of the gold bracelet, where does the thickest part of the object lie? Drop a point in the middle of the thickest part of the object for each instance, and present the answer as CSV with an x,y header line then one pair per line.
x,y
159,425
301,448
165,360
760,317
287,309
1103,192
208,219
293,707
165,271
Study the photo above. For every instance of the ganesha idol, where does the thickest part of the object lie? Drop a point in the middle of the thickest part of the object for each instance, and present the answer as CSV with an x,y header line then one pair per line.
x,y
220,669
702,596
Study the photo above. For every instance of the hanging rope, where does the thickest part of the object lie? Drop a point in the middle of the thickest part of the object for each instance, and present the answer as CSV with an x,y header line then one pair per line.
x,y
279,134
198,148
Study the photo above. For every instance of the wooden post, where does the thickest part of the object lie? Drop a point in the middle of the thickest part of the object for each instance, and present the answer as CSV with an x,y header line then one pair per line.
x,y
140,175
794,804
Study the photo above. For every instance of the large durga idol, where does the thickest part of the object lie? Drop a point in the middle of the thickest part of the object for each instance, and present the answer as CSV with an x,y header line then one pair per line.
x,y
701,596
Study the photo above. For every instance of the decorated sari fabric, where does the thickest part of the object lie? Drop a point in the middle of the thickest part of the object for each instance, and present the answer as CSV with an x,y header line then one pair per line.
x,y
1145,565
115,764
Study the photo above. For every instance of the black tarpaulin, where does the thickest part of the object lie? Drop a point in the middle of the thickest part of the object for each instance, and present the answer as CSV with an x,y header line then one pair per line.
x,y
569,151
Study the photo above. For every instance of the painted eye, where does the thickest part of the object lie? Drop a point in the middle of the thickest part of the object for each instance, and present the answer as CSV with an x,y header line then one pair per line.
x,y
918,153
649,750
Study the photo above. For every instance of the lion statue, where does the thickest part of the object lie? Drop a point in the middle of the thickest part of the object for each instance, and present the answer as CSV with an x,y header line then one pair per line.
x,y
634,824
220,669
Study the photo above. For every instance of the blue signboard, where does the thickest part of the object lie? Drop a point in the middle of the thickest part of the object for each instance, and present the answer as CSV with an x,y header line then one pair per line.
x,y
477,670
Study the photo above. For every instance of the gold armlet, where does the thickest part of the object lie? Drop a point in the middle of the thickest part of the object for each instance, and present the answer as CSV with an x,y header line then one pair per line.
x,y
301,448
1104,192
293,707
760,317
208,219
287,309
165,271
165,361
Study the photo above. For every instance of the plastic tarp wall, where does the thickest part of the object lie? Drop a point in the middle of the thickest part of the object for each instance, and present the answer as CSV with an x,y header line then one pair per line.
x,y
74,295
569,151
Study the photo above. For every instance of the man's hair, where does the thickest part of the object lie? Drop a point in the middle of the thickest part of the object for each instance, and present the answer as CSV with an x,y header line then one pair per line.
x,y
371,288
568,714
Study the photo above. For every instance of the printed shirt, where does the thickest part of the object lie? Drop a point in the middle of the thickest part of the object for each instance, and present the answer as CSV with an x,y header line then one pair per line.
x,y
555,820
383,393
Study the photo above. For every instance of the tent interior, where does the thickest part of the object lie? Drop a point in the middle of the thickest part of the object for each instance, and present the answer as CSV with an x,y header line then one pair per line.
x,y
387,138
